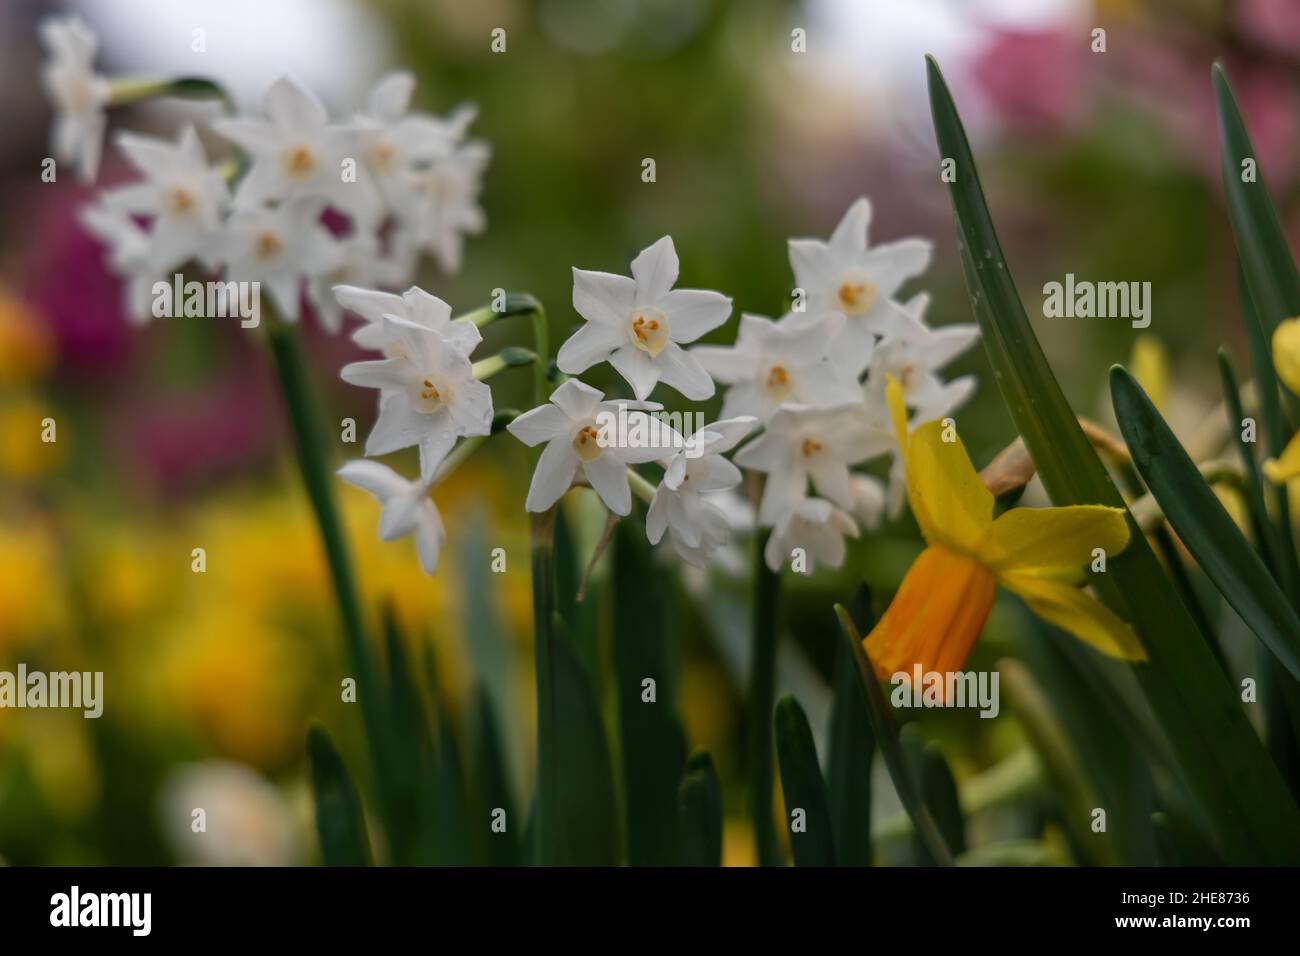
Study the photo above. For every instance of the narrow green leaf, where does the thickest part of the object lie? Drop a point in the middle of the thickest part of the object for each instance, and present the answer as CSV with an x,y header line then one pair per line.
x,y
699,808
407,752
492,799
1261,525
445,787
1205,527
885,731
1218,754
852,747
653,745
586,815
939,791
807,813
340,823
760,694
1261,242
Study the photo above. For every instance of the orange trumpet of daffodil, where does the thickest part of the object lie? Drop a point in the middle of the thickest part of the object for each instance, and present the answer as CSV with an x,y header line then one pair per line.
x,y
1037,553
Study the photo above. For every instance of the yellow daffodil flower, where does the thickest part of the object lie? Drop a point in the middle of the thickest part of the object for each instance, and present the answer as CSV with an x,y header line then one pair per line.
x,y
1286,359
1037,553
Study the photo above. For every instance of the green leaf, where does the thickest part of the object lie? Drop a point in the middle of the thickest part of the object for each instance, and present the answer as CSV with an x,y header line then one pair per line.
x,y
492,785
445,788
852,747
653,745
1217,752
939,790
586,831
1261,525
340,823
407,753
699,808
759,695
811,838
885,731
1205,527
1261,242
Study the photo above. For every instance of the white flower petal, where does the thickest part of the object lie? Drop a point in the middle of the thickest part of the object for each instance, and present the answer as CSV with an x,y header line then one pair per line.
x,y
376,478
694,312
655,271
540,424
638,369
553,475
603,297
850,236
608,477
682,371
591,343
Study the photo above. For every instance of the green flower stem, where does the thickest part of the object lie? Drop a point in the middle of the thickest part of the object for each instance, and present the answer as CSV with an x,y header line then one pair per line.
x,y
317,477
126,90
511,357
641,487
760,698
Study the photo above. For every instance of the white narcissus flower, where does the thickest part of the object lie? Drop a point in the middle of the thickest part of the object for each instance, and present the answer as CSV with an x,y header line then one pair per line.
x,y
354,259
129,256
597,438
802,443
414,305
778,363
297,152
80,96
814,526
639,324
394,141
869,497
278,247
446,207
428,395
683,503
845,275
182,195
407,508
913,353
248,821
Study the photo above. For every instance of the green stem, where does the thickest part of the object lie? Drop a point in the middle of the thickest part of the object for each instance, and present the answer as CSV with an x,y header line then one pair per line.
x,y
760,698
641,486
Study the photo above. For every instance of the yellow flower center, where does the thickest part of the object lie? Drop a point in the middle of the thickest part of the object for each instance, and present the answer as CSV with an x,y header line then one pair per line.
x,y
383,156
179,201
778,383
649,329
427,397
810,447
586,444
299,162
856,294
267,245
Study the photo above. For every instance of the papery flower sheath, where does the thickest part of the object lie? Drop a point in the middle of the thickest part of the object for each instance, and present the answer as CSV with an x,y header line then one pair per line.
x,y
816,527
817,444
79,95
183,197
428,395
598,439
639,324
848,276
407,508
777,363
1037,553
414,305
682,504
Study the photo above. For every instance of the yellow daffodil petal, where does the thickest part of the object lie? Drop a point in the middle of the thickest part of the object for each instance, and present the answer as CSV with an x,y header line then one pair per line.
x,y
1076,612
950,502
1287,466
935,617
1039,538
1286,353
1150,366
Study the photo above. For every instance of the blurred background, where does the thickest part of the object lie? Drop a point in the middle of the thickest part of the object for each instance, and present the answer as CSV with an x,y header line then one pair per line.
x,y
173,437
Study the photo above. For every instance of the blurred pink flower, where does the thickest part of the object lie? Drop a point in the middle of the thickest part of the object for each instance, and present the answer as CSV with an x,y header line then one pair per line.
x,y
1032,78
1271,23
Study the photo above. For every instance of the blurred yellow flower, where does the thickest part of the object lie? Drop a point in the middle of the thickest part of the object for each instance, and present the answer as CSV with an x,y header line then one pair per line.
x,y
24,455
26,344
1286,359
33,605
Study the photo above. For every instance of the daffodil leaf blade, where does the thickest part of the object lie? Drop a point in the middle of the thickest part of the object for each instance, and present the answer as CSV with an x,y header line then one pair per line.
x,y
885,731
1217,752
1261,242
340,824
1204,525
585,831
653,747
699,810
811,838
491,778
852,749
